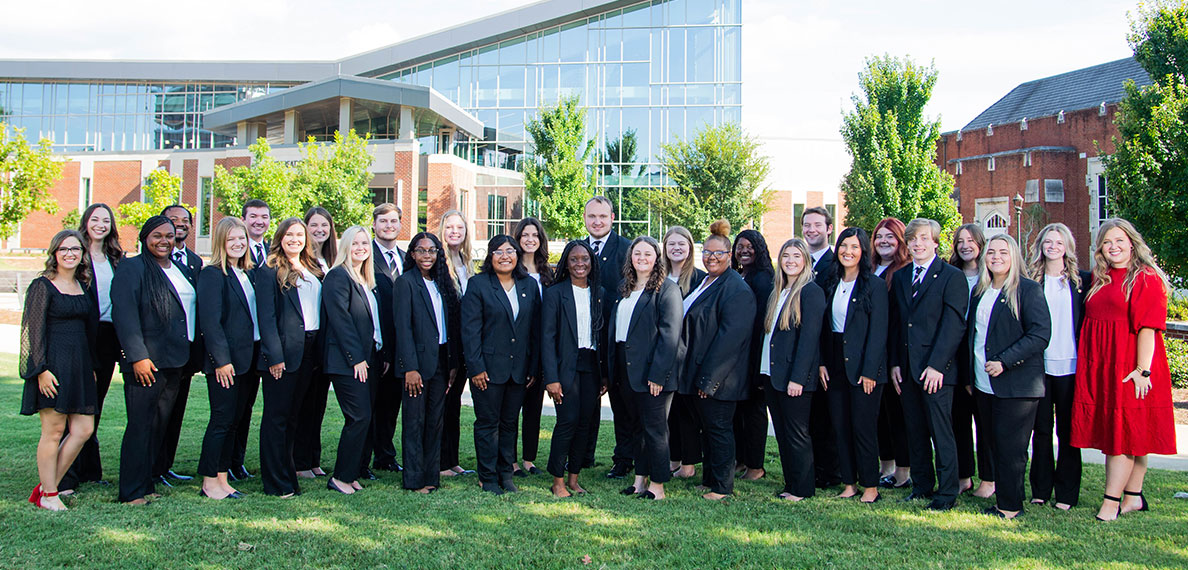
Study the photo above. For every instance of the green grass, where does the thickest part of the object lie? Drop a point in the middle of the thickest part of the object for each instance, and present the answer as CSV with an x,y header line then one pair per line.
x,y
460,526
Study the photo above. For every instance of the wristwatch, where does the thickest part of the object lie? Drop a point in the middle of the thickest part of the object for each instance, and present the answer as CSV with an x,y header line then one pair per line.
x,y
1145,373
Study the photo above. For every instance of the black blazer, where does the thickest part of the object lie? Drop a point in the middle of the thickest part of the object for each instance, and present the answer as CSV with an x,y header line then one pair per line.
x,y
716,340
1078,301
282,323
795,352
350,330
864,337
384,277
927,330
142,333
761,284
493,342
416,342
610,265
1018,343
192,265
226,322
559,333
252,251
652,340
824,266
694,281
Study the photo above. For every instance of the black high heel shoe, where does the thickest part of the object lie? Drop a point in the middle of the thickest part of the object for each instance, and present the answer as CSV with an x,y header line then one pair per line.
x,y
1139,494
1109,498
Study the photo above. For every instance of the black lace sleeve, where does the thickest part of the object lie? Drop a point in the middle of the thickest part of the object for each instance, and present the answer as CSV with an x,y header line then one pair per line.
x,y
33,329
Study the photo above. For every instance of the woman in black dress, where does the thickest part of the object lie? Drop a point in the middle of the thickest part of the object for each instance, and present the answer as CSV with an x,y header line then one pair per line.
x,y
58,329
684,435
531,236
307,450
231,337
753,262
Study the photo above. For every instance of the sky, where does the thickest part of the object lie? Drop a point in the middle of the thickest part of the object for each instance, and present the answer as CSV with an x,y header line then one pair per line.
x,y
801,58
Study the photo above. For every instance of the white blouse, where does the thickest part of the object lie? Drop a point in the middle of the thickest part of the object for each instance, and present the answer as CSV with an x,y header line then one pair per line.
x,y
581,302
375,319
765,354
103,276
982,326
623,315
514,299
1060,358
309,291
705,284
438,310
188,296
249,293
880,269
841,304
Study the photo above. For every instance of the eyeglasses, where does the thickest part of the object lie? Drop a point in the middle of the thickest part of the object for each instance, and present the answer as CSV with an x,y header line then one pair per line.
x,y
72,249
718,254
425,251
504,252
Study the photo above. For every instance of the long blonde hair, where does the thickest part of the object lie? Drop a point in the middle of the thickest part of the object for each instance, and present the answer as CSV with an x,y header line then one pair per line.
x,y
1141,261
1038,261
685,281
1010,285
365,273
218,242
789,312
464,247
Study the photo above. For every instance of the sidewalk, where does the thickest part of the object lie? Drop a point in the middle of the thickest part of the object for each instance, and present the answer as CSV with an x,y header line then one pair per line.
x,y
10,342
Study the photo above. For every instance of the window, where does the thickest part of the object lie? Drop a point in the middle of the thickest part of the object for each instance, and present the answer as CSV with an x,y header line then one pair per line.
x,y
832,209
1027,159
496,214
797,212
990,130
1023,124
1053,190
85,197
422,209
1103,195
990,164
381,196
958,169
1031,192
205,205
996,221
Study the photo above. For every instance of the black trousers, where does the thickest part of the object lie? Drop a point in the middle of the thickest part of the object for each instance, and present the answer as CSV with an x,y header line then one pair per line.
x,y
278,425
173,427
750,428
496,419
248,391
651,457
218,444
579,404
826,465
87,467
451,429
628,431
420,434
307,450
1065,472
1004,420
854,414
533,404
929,422
384,416
790,417
357,401
717,426
148,407
685,428
965,417
892,433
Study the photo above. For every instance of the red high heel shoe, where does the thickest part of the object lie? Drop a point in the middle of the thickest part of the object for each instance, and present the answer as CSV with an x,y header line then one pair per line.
x,y
35,497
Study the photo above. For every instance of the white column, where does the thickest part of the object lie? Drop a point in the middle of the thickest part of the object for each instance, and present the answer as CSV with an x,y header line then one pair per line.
x,y
290,127
344,115
407,127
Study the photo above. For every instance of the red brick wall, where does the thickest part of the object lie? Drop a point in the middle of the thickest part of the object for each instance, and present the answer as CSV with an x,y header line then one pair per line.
x,y
40,227
405,170
228,164
116,182
445,182
778,223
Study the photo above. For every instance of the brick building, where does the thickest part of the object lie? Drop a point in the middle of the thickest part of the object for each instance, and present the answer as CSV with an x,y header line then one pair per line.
x,y
1034,157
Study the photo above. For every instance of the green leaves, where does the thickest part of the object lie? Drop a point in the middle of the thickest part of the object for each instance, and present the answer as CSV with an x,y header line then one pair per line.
x,y
161,189
26,175
558,177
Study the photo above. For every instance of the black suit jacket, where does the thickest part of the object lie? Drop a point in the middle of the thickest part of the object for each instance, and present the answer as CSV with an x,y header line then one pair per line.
x,y
761,284
1018,343
350,330
417,334
824,266
695,281
282,323
864,337
652,340
494,342
142,332
559,333
716,340
795,353
192,265
928,330
385,275
226,321
610,265
259,262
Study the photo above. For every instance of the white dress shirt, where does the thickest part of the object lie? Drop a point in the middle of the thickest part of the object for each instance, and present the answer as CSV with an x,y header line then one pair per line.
x,y
375,319
841,304
623,315
581,302
514,299
1060,358
249,293
391,257
103,276
309,291
438,310
188,296
985,307
765,354
705,284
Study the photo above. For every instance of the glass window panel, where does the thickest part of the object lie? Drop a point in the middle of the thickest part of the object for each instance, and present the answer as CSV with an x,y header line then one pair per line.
x,y
549,83
732,94
635,44
676,95
676,12
676,123
488,55
30,99
676,55
445,78
636,16
530,84
697,119
732,115
656,136
657,59
573,80
511,125
532,49
612,49
731,12
699,94
60,97
573,42
613,19
485,95
635,84
512,51
612,82
700,54
702,12
5,106
511,86
612,126
732,54
549,45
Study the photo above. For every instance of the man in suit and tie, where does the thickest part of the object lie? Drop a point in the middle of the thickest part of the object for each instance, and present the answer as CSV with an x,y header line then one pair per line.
x,y
257,216
190,264
816,225
389,263
928,304
610,249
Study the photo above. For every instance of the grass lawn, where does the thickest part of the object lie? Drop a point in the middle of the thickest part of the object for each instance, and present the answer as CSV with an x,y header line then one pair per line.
x,y
386,527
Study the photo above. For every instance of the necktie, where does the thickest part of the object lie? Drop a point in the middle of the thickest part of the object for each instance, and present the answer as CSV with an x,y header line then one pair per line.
x,y
179,258
391,261
259,254
916,280
597,247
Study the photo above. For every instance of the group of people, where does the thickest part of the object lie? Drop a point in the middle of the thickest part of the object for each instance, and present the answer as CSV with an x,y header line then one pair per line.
x,y
694,361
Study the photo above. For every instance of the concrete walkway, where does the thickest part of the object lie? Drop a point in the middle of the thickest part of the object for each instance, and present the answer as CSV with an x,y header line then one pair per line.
x,y
10,342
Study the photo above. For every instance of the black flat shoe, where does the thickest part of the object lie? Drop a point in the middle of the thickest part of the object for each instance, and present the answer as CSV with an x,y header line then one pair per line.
x,y
177,476
492,488
628,490
509,486
534,470
941,506
239,473
877,498
619,471
648,495
392,466
994,512
368,475
887,481
914,496
330,485
519,473
906,483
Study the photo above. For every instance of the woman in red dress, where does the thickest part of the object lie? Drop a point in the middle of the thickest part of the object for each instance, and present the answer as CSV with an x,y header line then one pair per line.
x,y
1122,402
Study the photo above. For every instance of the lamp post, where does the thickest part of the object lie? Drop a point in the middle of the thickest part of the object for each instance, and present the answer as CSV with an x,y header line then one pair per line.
x,y
1019,217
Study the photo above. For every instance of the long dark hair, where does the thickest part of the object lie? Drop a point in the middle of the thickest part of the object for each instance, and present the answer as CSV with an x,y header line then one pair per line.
x,y
591,279
979,237
865,266
540,258
156,284
286,274
82,273
329,249
439,273
762,261
659,271
497,242
111,243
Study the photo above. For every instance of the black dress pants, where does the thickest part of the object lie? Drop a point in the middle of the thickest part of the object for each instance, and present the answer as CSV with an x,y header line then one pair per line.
x,y
451,428
1004,420
87,467
683,420
579,404
218,444
533,404
278,425
626,422
750,428
827,468
651,457
892,433
790,417
148,407
1065,472
307,451
384,416
855,421
496,419
965,416
420,434
243,415
357,401
717,426
929,422
173,427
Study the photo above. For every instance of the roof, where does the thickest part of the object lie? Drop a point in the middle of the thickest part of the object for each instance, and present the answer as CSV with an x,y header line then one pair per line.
x,y
318,93
1073,91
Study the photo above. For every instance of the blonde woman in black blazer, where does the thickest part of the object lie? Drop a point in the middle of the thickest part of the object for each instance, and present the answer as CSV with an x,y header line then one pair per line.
x,y
500,333
1009,327
684,436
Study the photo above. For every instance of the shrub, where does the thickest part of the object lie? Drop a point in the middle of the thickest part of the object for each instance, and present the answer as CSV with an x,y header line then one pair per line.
x,y
1177,308
1177,360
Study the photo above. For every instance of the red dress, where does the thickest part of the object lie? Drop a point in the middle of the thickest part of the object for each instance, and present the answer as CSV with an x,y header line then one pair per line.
x,y
1106,415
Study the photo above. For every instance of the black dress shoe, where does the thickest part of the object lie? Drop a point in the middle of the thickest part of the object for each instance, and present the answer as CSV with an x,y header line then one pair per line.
x,y
239,473
618,471
236,495
939,505
628,490
647,495
493,488
916,496
368,475
390,466
826,483
172,475
519,473
534,470
162,480
509,486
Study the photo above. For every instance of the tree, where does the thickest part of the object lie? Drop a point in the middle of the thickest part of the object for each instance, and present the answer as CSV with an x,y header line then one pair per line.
x,y
618,170
718,174
557,176
1148,172
26,175
335,177
893,147
265,179
161,189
